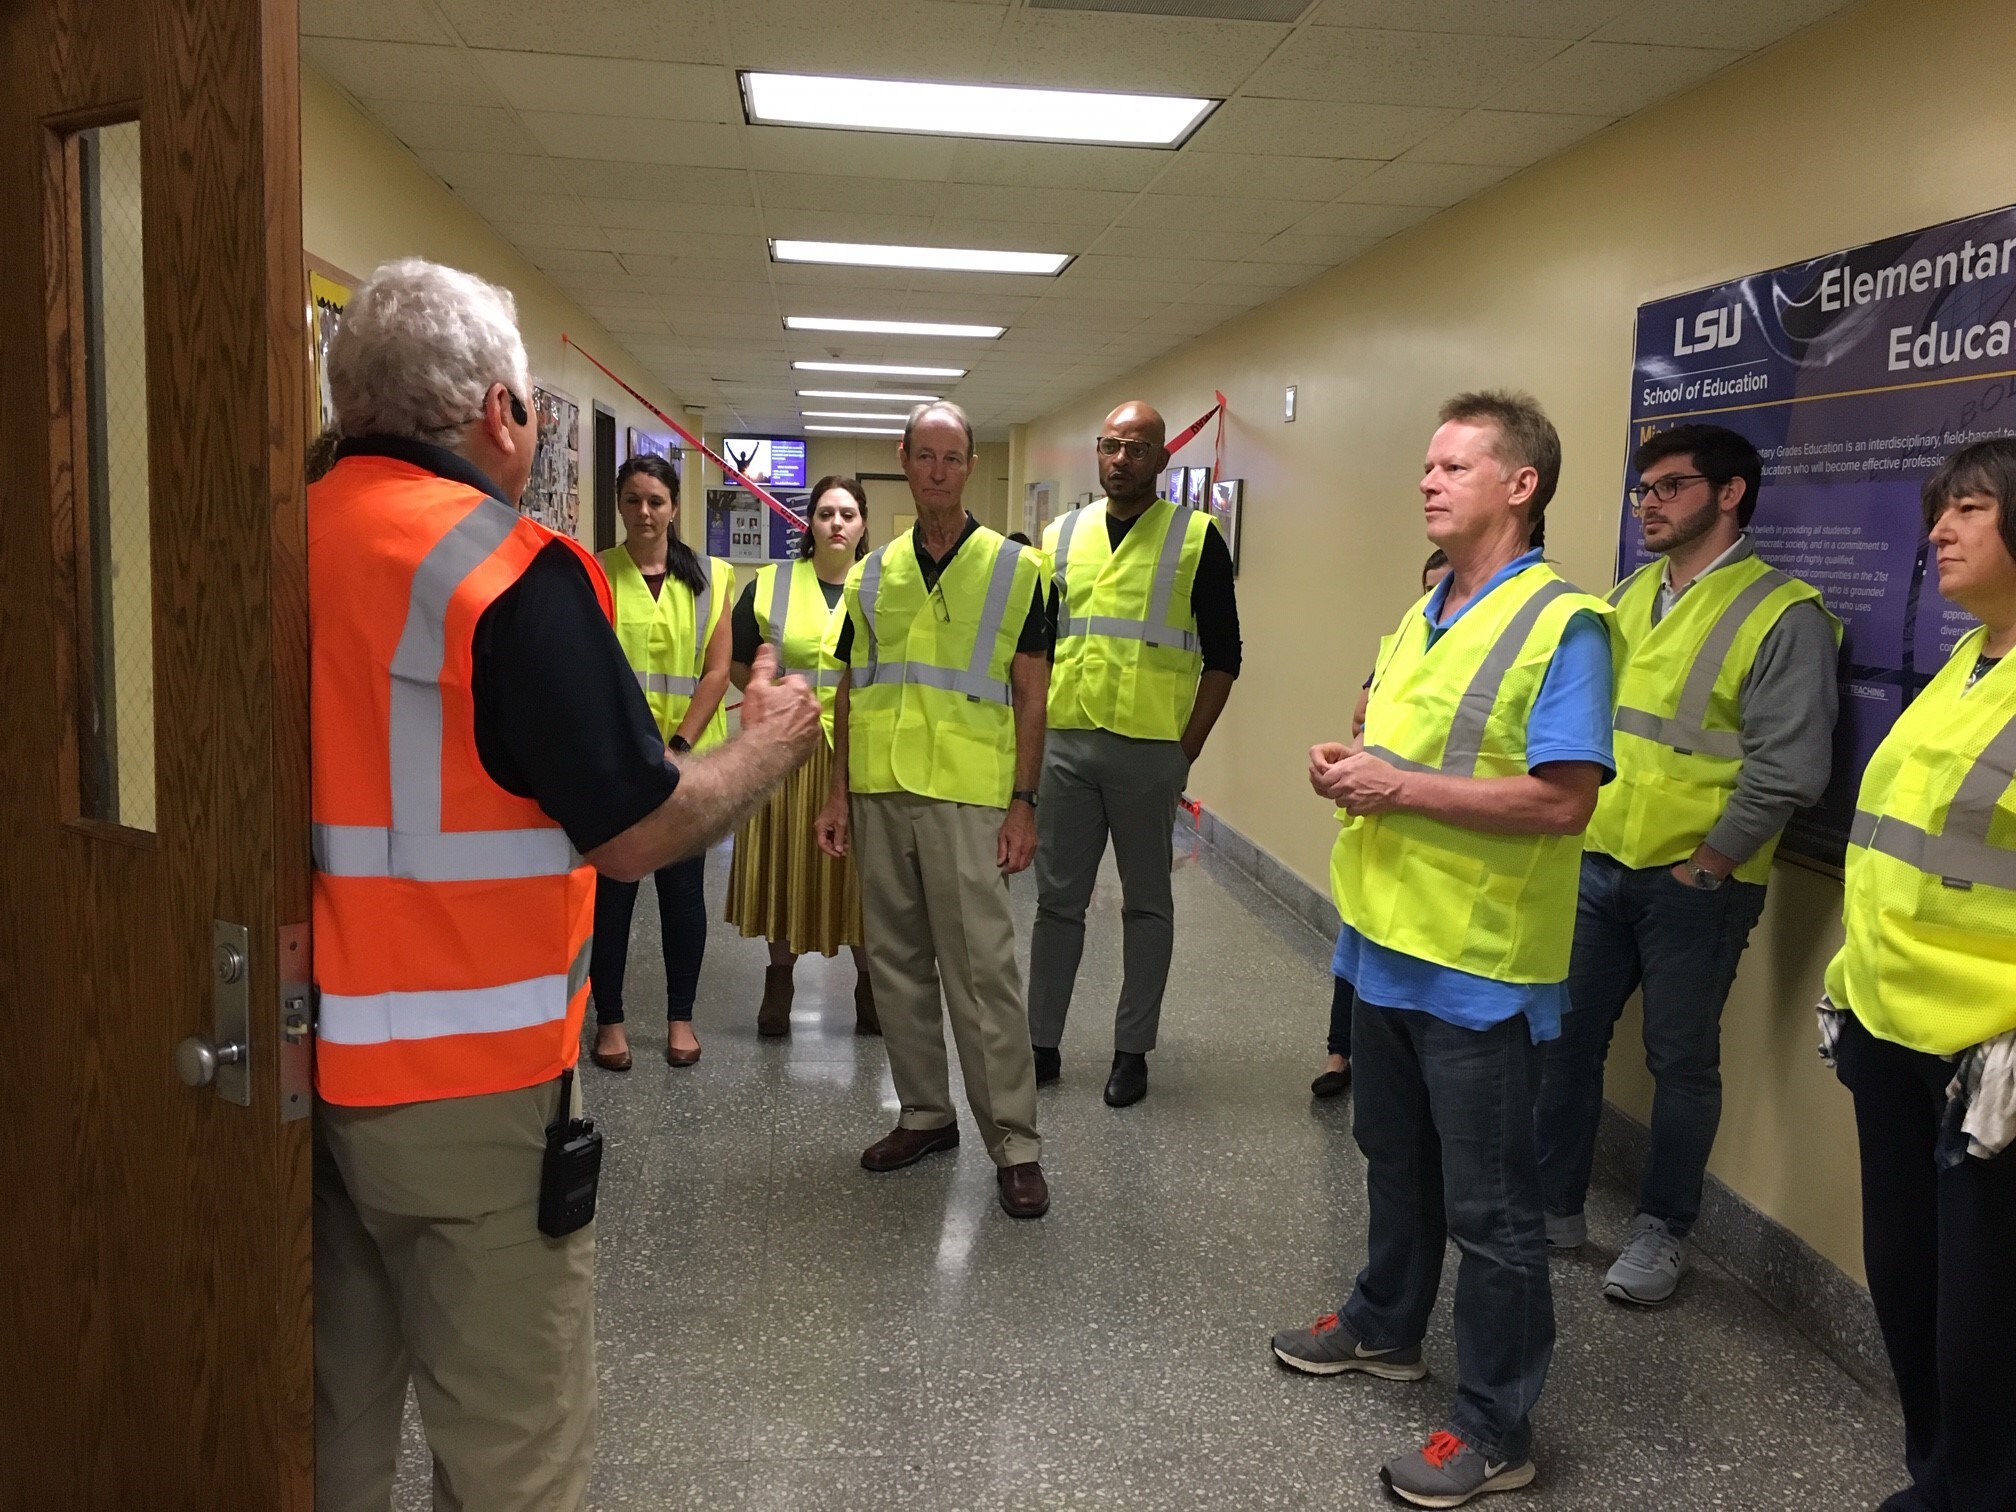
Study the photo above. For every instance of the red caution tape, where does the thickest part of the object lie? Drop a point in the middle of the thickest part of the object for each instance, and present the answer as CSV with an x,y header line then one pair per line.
x,y
1186,436
728,469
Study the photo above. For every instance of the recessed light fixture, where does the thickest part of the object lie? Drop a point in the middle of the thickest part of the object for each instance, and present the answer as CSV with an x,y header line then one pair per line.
x,y
871,397
940,259
847,415
976,110
855,430
891,327
891,369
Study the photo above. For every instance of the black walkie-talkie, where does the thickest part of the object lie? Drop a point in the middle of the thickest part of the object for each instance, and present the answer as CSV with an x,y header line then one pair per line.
x,y
572,1170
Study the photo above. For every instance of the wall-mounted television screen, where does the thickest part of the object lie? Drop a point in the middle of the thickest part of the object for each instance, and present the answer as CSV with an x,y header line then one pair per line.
x,y
773,461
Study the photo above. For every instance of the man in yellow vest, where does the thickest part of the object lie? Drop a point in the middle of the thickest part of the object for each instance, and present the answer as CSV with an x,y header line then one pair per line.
x,y
480,749
1725,725
1487,735
941,644
1147,649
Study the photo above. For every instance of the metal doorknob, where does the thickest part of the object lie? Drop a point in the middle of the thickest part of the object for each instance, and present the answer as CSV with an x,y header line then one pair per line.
x,y
197,1060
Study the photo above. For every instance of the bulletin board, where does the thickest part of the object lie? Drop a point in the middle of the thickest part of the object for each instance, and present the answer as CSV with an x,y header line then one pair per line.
x,y
553,496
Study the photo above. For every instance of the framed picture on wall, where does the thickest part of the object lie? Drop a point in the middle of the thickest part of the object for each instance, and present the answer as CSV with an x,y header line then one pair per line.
x,y
1228,495
1197,491
646,444
1174,483
553,496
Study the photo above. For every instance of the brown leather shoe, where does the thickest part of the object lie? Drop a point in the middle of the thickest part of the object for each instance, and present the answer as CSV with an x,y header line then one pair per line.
x,y
773,1017
1024,1192
901,1147
865,1020
616,1061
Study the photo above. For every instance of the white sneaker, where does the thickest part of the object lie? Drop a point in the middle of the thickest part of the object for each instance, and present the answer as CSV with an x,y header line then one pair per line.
x,y
1649,1267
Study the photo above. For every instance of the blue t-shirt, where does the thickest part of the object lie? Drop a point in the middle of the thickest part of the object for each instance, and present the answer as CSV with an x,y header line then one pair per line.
x,y
1570,721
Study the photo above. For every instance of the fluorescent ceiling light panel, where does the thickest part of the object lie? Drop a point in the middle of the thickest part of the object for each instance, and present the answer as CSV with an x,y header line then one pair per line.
x,y
888,369
846,415
937,259
891,327
855,430
871,397
972,110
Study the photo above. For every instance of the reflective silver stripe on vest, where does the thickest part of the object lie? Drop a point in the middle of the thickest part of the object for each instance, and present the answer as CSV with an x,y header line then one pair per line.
x,y
780,606
1067,528
359,850
867,595
700,602
664,682
974,681
1961,854
1460,752
1155,630
381,1017
1687,732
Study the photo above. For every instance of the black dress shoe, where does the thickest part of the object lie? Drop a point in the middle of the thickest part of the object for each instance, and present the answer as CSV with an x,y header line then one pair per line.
x,y
1049,1064
1330,1083
1129,1082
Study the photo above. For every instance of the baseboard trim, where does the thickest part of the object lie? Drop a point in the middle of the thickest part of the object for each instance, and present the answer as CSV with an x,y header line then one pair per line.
x,y
1795,1280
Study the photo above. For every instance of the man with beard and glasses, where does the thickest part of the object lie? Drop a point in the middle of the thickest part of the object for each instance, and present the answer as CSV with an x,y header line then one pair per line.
x,y
1724,728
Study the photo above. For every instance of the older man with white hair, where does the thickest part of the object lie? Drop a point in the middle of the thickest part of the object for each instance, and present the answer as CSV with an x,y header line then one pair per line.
x,y
481,749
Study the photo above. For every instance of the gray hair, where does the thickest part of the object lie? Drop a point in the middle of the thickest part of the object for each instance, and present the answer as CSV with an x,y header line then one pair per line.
x,y
938,407
418,347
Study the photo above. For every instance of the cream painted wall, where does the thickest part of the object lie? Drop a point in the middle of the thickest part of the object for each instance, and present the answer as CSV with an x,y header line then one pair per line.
x,y
1893,116
365,199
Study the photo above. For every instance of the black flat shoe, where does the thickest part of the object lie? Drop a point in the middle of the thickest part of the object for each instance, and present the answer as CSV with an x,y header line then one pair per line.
x,y
1331,1083
1129,1082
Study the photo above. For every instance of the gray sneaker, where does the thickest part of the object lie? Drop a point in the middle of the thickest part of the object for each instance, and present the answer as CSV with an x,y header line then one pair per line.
x,y
1329,1347
1569,1233
1649,1266
1446,1472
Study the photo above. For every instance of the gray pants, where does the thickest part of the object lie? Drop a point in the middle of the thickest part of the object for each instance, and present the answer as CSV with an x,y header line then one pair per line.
x,y
1095,784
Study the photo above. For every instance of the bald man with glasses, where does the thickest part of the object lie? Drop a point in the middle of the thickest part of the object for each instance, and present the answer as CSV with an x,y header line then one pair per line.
x,y
1147,651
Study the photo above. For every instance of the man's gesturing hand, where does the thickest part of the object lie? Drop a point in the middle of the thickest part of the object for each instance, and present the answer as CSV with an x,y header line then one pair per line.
x,y
786,710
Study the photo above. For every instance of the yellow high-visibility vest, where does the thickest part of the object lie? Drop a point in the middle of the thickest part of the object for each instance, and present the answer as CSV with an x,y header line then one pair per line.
x,y
1929,896
791,615
1679,724
659,639
929,705
1128,659
1497,906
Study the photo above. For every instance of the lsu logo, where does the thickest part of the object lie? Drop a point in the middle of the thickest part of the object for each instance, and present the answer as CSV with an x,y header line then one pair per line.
x,y
1712,329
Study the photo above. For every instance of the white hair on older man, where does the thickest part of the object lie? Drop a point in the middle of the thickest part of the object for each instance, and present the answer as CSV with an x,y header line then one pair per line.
x,y
418,347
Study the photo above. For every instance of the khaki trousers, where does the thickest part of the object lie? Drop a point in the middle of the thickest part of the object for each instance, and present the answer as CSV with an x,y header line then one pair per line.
x,y
429,1263
934,908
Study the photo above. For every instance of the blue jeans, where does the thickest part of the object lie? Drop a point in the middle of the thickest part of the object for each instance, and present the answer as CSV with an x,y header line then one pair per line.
x,y
1445,1119
682,930
1644,929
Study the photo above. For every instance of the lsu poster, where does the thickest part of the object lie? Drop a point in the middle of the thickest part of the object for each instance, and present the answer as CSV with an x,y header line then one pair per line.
x,y
1855,374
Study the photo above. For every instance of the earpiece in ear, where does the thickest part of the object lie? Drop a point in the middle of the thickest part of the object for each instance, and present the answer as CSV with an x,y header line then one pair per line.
x,y
517,407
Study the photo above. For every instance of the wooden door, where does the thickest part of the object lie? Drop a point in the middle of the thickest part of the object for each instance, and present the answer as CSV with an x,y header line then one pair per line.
x,y
153,754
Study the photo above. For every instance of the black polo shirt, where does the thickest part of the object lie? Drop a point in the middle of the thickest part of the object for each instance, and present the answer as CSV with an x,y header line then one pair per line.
x,y
559,716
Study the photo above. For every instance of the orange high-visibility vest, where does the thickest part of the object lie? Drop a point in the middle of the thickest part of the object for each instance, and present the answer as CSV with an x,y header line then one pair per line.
x,y
452,918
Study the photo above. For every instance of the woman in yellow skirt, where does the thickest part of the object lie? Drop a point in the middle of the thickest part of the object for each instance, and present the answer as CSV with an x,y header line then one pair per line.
x,y
781,885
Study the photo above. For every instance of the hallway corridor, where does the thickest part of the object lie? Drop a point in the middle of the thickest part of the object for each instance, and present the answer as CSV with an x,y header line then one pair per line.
x,y
779,1329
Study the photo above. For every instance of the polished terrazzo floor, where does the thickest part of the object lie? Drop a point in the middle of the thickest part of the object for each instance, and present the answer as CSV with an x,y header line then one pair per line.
x,y
779,1329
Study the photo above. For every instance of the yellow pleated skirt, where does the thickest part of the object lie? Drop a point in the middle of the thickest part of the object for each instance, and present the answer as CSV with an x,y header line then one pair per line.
x,y
781,886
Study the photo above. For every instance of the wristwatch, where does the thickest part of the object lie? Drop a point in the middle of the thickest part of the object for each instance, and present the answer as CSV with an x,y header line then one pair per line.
x,y
1700,878
1026,795
679,745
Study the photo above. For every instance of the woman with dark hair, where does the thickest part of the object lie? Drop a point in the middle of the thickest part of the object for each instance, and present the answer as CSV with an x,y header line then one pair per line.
x,y
781,885
672,620
1920,1014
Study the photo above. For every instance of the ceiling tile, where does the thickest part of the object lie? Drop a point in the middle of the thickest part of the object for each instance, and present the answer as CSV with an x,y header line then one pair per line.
x,y
1213,239
530,234
399,71
1487,18
672,215
1157,269
656,181
677,303
622,139
909,39
1312,248
496,172
1061,321
617,86
712,268
1504,138
1198,212
672,30
811,191
1032,235
1361,221
847,226
457,128
635,326
998,308
1274,276
1320,130
381,20
1744,24
1143,54
500,205
737,291
618,282
1005,202
563,260
854,154
1611,78
700,242
1247,173
1047,165
1410,183
1075,287
1395,67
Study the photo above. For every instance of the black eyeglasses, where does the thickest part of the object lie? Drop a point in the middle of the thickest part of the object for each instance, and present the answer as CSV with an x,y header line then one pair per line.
x,y
1112,446
1666,489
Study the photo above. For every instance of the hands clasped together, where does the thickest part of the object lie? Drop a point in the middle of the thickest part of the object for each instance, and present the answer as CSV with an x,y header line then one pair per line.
x,y
1354,779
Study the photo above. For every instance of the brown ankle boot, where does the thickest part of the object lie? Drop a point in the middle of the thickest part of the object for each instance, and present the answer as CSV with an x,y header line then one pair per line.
x,y
865,1021
774,1016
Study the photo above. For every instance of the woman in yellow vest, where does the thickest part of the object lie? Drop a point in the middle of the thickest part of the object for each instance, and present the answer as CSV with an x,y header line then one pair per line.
x,y
781,885
672,621
1921,1014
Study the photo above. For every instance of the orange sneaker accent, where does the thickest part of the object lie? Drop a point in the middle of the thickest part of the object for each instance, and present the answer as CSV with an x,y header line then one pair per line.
x,y
1325,1324
1441,1449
